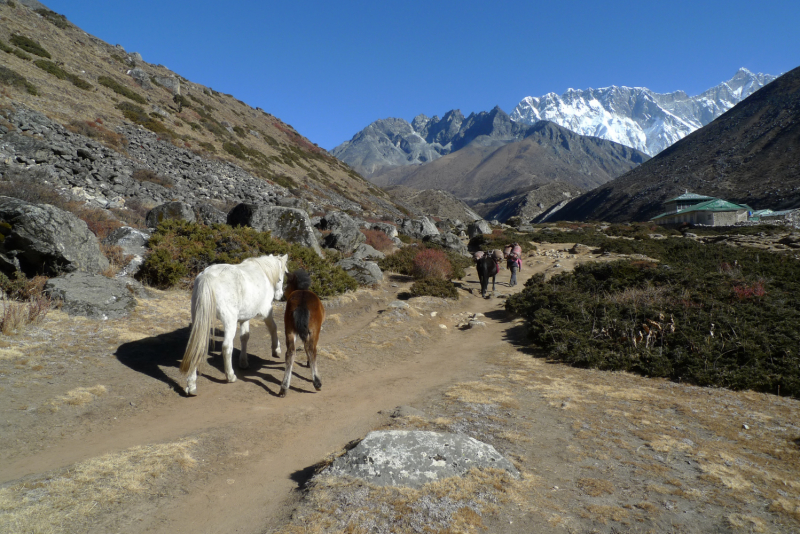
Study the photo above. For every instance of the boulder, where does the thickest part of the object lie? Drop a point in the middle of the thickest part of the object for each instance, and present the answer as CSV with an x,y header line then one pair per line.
x,y
42,239
580,249
386,228
366,252
170,210
133,243
344,235
449,241
480,227
92,295
289,224
413,458
366,273
208,214
418,228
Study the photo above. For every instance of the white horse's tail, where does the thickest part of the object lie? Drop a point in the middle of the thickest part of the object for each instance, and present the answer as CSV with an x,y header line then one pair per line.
x,y
205,308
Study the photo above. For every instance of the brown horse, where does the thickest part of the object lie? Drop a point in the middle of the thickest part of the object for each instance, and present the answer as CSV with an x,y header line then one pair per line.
x,y
304,316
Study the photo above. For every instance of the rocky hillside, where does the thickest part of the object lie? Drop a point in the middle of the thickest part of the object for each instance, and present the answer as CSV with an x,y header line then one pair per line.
x,y
487,170
433,202
152,119
749,155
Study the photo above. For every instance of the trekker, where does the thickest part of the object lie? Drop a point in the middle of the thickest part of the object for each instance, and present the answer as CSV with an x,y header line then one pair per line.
x,y
514,263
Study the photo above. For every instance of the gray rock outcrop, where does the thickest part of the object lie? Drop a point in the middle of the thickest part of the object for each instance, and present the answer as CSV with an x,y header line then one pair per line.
x,y
366,273
418,228
480,227
344,235
449,241
290,224
177,210
42,239
414,458
92,295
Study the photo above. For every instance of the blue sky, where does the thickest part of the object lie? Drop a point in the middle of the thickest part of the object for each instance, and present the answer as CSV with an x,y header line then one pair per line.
x,y
330,68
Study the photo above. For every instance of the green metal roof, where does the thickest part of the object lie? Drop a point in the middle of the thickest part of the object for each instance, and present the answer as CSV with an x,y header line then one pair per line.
x,y
716,204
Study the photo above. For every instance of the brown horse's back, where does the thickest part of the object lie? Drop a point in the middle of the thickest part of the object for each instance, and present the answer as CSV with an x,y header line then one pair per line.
x,y
304,314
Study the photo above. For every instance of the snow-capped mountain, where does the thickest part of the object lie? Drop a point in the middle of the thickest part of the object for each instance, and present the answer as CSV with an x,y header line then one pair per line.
x,y
638,117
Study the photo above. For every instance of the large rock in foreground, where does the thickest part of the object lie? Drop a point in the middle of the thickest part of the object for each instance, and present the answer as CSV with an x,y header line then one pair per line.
x,y
42,239
92,295
414,458
290,224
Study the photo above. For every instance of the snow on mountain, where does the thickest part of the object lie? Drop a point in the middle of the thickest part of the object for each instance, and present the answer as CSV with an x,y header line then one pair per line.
x,y
638,117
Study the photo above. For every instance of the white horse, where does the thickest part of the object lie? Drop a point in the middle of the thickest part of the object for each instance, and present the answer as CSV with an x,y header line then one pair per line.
x,y
235,294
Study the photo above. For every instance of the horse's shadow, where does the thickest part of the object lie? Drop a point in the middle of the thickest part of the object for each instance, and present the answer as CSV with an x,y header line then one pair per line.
x,y
150,356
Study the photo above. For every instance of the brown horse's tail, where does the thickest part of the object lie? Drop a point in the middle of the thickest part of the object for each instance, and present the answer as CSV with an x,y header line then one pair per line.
x,y
204,307
302,318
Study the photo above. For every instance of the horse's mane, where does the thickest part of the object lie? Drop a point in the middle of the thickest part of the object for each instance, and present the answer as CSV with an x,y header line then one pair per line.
x,y
272,266
302,280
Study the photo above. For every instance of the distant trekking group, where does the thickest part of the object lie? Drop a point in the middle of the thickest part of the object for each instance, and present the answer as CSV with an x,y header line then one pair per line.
x,y
511,253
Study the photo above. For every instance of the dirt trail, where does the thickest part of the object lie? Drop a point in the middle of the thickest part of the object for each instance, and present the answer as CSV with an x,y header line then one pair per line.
x,y
388,357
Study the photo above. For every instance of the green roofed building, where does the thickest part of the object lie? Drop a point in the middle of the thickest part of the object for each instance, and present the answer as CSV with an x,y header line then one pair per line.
x,y
701,210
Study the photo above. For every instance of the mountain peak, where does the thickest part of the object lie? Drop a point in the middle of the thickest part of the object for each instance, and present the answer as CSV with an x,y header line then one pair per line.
x,y
638,117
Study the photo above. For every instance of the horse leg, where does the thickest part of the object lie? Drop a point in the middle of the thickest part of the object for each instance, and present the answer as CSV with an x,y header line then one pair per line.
x,y
310,347
244,337
273,332
493,281
191,383
290,354
227,348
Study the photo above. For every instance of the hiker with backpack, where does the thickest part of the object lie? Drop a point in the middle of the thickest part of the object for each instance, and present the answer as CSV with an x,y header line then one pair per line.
x,y
514,262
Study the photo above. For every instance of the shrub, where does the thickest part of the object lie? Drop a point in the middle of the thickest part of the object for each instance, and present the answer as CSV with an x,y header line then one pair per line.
x,y
687,319
14,79
136,114
20,54
16,315
54,18
434,287
182,250
378,240
61,74
5,48
120,89
29,45
22,287
430,263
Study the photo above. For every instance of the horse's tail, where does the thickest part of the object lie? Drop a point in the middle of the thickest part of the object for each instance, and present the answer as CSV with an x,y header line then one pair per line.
x,y
302,318
204,308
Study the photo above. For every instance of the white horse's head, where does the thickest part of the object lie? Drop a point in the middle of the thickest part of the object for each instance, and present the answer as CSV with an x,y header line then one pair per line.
x,y
283,262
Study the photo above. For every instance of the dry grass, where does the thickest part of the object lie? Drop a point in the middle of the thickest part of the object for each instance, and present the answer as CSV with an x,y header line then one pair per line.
x,y
456,504
62,501
16,315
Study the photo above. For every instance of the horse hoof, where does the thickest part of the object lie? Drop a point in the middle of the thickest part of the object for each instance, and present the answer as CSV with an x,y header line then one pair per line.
x,y
191,391
231,379
282,393
318,385
243,365
276,353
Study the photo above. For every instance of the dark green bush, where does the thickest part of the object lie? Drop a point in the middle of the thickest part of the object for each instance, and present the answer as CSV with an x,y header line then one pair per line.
x,y
20,54
706,314
5,48
14,79
54,18
434,287
195,246
136,114
120,89
29,45
61,74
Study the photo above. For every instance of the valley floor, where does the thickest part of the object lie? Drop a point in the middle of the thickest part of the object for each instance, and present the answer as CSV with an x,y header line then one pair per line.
x,y
97,437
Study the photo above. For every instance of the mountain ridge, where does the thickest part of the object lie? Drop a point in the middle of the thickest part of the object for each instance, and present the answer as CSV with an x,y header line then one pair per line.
x,y
636,116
